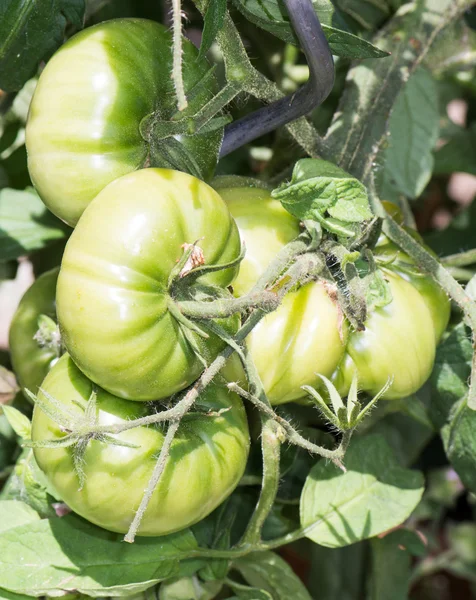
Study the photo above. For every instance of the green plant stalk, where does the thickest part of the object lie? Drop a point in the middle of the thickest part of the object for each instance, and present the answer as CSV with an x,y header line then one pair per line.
x,y
154,480
191,125
239,69
270,447
292,436
464,259
177,74
218,309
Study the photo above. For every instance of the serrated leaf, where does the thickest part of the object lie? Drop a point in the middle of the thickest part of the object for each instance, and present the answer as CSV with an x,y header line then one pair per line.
x,y
26,224
30,31
19,422
213,22
320,186
414,128
78,556
14,513
269,572
372,496
270,15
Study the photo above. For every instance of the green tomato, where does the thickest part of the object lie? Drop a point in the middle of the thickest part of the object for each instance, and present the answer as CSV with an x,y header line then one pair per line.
x,y
266,227
207,457
31,362
84,126
307,335
113,299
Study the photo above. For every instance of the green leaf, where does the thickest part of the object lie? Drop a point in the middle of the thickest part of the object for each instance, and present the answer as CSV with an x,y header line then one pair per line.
x,y
406,428
270,15
374,495
28,484
76,555
390,569
449,380
337,573
20,423
268,571
414,127
15,514
319,186
213,22
458,154
30,31
6,595
26,224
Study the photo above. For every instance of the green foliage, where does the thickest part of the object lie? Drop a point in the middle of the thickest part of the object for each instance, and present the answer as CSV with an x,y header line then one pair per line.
x,y
269,572
108,567
271,16
362,523
413,132
30,31
372,496
212,23
25,224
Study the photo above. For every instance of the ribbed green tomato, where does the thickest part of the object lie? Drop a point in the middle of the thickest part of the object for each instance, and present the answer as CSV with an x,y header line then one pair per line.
x,y
113,300
206,461
308,335
30,361
84,125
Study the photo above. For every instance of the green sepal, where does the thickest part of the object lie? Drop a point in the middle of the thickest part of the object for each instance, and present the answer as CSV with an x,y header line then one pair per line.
x,y
319,187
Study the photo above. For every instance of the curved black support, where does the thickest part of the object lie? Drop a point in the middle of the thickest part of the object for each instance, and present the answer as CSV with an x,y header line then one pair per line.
x,y
321,80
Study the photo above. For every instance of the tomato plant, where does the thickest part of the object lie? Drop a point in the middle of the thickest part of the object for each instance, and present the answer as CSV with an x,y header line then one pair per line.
x,y
108,79
114,295
208,457
308,337
264,295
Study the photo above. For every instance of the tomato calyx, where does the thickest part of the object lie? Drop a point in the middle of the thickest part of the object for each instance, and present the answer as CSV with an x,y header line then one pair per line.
x,y
48,335
344,416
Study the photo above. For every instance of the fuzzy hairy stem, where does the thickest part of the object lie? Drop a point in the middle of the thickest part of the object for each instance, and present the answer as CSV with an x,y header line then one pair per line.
x,y
239,69
270,447
219,309
177,74
292,436
154,480
464,259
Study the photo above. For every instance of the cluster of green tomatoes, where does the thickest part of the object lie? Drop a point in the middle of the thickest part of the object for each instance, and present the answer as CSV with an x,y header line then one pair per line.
x,y
116,296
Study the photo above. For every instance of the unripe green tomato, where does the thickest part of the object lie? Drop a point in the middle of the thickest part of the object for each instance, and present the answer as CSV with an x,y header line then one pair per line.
x,y
307,335
207,457
84,125
30,361
113,297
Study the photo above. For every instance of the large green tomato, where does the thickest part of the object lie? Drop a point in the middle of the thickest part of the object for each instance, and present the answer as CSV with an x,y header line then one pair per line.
x,y
31,362
84,125
207,457
308,335
113,300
